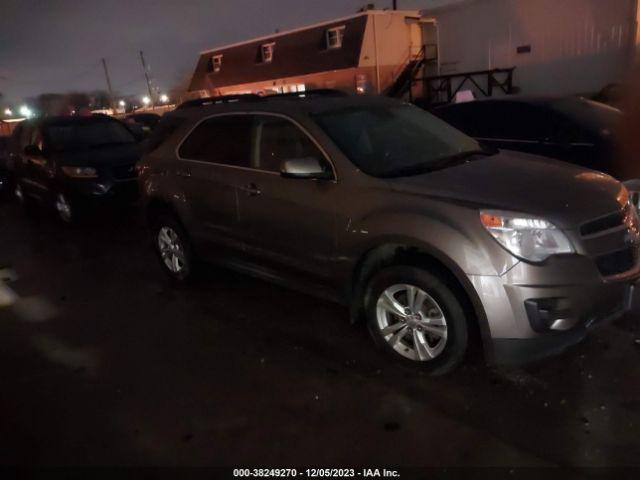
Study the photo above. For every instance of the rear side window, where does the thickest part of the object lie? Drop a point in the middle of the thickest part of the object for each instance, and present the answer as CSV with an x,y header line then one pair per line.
x,y
224,139
165,128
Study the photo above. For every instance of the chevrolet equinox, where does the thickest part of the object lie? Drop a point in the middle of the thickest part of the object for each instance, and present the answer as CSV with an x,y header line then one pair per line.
x,y
385,208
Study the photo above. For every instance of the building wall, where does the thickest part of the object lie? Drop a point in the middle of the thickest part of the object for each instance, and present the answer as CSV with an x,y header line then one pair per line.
x,y
344,79
389,41
299,52
637,7
301,59
576,45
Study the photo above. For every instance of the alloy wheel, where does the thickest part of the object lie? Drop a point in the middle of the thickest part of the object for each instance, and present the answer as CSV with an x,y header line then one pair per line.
x,y
171,249
411,322
63,207
19,193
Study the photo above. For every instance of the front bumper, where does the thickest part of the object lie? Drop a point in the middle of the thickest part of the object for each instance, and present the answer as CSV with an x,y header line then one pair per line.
x,y
534,311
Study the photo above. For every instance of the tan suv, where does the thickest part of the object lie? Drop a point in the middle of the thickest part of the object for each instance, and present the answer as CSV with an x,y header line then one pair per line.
x,y
380,206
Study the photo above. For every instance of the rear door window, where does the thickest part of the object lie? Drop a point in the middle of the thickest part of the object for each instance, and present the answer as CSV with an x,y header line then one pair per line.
x,y
224,139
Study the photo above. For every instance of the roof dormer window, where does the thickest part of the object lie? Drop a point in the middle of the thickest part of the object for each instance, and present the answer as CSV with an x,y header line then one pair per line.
x,y
215,64
334,37
266,52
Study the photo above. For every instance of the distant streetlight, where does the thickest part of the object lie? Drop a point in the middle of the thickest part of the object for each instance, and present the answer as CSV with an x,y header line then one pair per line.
x,y
164,98
146,100
122,103
8,112
26,111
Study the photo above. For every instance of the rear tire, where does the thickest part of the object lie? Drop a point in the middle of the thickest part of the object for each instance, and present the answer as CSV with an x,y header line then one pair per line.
x,y
416,317
173,247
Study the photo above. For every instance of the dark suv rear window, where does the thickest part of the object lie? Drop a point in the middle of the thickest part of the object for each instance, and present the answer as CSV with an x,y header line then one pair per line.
x,y
165,128
224,139
87,135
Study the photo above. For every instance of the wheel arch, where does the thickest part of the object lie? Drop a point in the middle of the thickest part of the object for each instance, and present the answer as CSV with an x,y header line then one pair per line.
x,y
156,206
432,260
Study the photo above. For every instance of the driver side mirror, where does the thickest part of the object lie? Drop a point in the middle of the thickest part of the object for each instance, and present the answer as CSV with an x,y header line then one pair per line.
x,y
33,151
307,167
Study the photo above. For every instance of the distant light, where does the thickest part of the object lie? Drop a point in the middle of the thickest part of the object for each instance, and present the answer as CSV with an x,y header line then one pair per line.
x,y
122,103
26,111
164,98
8,112
146,100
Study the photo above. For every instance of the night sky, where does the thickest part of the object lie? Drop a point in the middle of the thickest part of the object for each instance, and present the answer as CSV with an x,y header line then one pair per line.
x,y
56,45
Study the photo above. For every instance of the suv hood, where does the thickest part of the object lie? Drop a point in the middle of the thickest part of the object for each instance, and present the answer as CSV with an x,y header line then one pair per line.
x,y
564,194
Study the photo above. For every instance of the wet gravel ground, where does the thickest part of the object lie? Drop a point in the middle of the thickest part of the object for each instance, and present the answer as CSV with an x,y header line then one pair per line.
x,y
103,361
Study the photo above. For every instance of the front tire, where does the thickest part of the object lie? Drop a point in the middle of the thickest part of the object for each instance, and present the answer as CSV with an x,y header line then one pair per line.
x,y
417,318
173,247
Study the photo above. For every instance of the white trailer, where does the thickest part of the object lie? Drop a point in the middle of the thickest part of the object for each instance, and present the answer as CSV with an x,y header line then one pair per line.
x,y
557,46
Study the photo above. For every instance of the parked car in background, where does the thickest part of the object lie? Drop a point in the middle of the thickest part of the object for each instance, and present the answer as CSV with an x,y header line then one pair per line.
x,y
74,163
613,95
385,208
4,165
147,121
571,129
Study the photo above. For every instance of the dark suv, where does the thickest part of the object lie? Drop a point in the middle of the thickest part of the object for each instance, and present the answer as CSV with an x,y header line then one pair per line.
x,y
73,163
385,208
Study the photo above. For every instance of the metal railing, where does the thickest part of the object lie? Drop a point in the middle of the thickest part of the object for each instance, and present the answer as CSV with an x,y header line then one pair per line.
x,y
444,88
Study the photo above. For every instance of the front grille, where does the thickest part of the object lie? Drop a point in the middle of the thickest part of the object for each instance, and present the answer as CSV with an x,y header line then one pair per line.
x,y
124,172
602,224
617,262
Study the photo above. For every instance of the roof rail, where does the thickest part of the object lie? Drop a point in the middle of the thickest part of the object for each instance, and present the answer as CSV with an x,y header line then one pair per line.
x,y
318,92
200,102
251,97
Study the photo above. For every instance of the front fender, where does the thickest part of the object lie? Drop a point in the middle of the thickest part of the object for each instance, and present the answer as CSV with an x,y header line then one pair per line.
x,y
463,242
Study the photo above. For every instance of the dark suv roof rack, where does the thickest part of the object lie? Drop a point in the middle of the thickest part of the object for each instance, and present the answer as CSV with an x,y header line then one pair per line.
x,y
251,97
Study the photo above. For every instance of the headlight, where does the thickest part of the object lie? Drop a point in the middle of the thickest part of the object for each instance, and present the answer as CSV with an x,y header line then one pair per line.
x,y
529,238
80,172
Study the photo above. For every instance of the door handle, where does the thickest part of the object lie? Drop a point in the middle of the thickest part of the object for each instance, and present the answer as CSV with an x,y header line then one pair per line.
x,y
183,172
251,189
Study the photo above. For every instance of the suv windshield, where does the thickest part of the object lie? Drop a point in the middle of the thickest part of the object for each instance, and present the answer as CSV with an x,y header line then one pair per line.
x,y
395,140
82,136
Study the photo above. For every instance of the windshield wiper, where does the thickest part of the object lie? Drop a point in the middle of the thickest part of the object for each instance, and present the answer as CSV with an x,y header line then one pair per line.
x,y
440,163
462,157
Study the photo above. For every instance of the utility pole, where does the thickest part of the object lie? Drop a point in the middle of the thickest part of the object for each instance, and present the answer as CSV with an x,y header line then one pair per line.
x,y
106,75
395,4
146,76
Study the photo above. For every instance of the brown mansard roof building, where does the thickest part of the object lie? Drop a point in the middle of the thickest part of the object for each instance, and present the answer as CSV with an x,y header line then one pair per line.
x,y
365,52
